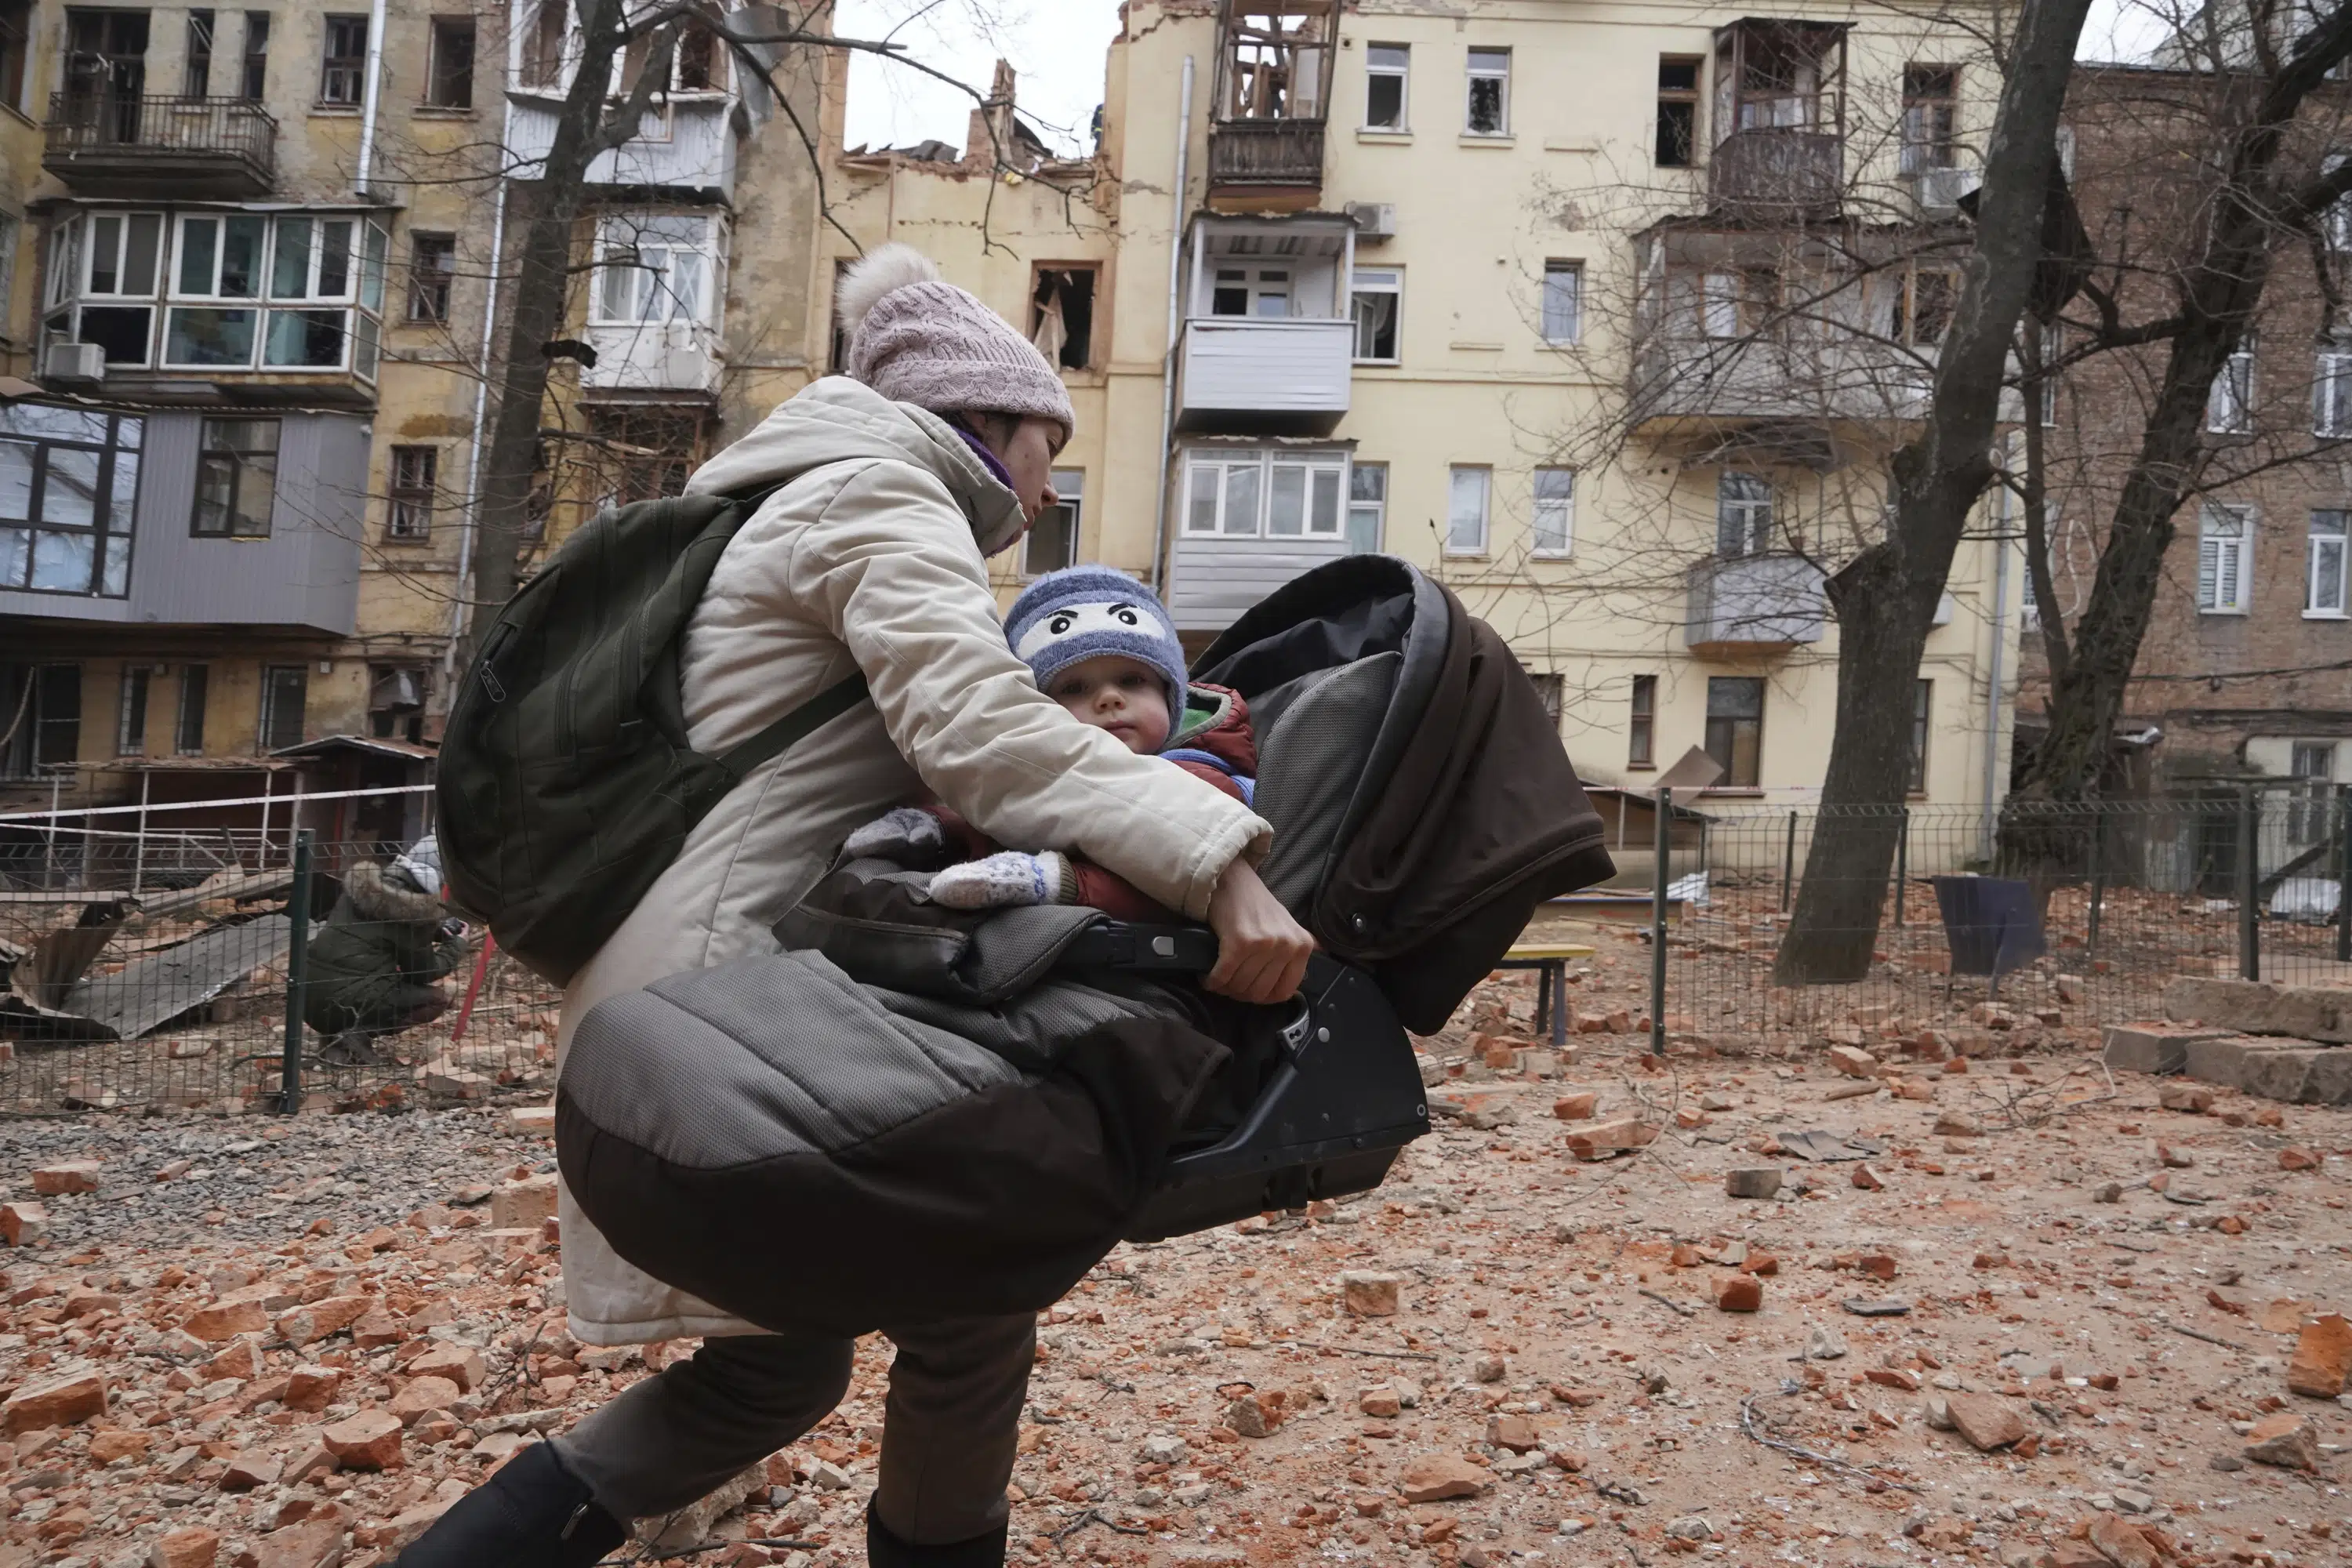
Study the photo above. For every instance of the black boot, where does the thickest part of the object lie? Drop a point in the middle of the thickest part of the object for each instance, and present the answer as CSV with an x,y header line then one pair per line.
x,y
534,1513
884,1549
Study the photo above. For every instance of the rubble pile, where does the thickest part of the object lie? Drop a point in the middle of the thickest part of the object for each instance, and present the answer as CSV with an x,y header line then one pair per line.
x,y
1867,1311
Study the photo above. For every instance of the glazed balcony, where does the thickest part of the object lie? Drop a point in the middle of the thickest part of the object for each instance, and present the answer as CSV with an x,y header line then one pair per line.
x,y
1270,375
1750,605
108,145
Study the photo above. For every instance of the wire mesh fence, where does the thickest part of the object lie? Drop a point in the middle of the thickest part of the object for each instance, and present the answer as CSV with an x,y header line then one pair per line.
x,y
1957,931
210,969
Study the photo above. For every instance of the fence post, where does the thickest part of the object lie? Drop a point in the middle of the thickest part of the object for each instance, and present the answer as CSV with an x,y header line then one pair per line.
x,y
1665,814
2099,878
1789,863
297,946
2344,873
2250,883
1901,866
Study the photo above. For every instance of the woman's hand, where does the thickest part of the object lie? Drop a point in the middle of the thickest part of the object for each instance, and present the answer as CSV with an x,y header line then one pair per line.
x,y
1261,952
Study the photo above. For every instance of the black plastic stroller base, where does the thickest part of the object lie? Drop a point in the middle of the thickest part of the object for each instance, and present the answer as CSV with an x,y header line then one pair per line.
x,y
1346,1099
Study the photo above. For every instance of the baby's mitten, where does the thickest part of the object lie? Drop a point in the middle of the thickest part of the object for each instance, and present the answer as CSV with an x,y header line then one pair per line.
x,y
1004,880
908,833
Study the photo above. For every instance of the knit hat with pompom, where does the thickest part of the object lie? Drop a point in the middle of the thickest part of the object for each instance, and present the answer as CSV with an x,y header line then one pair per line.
x,y
915,339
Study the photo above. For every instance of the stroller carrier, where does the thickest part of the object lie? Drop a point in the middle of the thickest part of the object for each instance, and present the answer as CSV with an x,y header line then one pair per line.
x,y
959,1113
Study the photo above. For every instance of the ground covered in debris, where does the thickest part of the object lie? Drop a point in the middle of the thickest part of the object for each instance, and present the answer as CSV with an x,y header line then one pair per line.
x,y
2023,1312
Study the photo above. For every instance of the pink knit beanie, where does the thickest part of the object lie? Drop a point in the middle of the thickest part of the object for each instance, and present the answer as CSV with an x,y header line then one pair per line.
x,y
915,338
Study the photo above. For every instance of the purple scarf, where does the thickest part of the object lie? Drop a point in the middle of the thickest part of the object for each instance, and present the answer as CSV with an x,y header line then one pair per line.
x,y
994,464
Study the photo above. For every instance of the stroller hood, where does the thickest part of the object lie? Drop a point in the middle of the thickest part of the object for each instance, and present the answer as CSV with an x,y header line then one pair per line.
x,y
1422,802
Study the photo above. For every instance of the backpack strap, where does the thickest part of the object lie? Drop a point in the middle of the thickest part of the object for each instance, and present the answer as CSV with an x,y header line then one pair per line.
x,y
795,726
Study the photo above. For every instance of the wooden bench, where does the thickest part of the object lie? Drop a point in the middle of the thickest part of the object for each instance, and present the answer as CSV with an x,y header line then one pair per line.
x,y
1549,961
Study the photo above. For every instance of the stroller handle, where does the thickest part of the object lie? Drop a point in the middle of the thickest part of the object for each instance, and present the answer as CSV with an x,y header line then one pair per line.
x,y
1113,944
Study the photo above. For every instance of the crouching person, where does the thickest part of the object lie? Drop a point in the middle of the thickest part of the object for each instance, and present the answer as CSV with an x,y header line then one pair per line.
x,y
374,967
892,486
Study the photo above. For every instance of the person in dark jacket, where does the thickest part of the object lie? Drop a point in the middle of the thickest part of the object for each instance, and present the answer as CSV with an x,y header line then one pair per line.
x,y
372,965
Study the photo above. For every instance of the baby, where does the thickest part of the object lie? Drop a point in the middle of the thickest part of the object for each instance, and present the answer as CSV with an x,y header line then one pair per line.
x,y
1104,647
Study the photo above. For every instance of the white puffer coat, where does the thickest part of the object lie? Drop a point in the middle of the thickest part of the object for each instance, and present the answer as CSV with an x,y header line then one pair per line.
x,y
871,558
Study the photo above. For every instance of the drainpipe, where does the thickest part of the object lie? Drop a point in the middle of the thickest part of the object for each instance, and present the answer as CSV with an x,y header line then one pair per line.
x,y
1992,679
374,91
459,602
1168,360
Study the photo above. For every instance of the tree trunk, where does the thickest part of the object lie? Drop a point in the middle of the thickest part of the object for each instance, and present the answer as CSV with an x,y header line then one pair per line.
x,y
1885,598
536,309
2218,296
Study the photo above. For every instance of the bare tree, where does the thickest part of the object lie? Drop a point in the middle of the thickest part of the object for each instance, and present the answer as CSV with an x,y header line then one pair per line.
x,y
2254,179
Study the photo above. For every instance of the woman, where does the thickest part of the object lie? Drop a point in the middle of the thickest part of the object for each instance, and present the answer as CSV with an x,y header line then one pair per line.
x,y
897,482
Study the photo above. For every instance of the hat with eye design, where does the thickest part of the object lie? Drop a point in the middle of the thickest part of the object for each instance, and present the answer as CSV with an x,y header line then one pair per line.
x,y
1087,611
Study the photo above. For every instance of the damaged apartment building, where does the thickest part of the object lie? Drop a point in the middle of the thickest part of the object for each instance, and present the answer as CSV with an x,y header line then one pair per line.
x,y
254,263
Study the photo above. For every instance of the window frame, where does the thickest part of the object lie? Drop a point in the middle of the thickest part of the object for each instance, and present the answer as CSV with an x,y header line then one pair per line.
x,y
1264,462
239,462
2240,544
1454,474
1689,98
2320,541
434,288
188,704
130,697
112,518
2331,392
358,305
413,477
1071,504
1929,146
1393,288
653,283
1728,757
439,32
196,58
253,57
2230,401
347,72
1756,508
1039,271
266,728
1642,723
1376,506
1923,708
1564,507
1474,73
1572,270
1401,74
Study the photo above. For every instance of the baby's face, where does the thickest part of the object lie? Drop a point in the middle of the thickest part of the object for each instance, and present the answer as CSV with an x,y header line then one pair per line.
x,y
1124,695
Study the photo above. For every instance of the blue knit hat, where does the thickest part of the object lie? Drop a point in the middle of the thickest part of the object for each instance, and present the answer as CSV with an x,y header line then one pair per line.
x,y
1087,611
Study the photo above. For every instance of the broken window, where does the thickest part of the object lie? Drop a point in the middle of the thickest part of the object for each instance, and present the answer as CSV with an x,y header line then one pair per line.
x,y
40,718
1387,71
1778,75
1061,315
188,724
646,453
1735,729
196,68
1053,541
1924,304
343,66
543,43
449,80
131,712
1931,98
414,473
396,703
285,692
1276,60
1376,294
1487,111
1678,145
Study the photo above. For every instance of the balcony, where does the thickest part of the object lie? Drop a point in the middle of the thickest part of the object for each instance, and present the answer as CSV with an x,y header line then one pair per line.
x,y
1692,380
688,144
214,148
652,361
280,551
1785,172
1269,165
1745,605
1271,376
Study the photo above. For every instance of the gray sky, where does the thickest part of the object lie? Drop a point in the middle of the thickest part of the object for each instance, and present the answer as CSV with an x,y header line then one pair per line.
x,y
1057,47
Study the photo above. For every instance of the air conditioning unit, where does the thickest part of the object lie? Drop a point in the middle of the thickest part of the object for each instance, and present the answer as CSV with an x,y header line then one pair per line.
x,y
75,362
1373,220
1939,190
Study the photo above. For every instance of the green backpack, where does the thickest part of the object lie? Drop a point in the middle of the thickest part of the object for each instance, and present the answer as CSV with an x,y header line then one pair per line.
x,y
566,785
